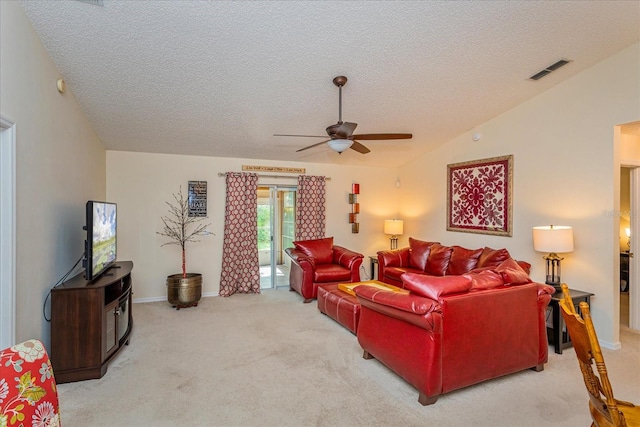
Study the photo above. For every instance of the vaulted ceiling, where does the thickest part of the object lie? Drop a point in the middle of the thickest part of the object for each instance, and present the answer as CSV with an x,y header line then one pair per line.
x,y
220,78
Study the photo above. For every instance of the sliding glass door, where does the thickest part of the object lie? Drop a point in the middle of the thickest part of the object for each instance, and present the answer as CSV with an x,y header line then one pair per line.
x,y
276,231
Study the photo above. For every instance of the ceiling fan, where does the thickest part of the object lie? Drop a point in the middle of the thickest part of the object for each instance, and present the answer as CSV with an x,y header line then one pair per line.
x,y
341,135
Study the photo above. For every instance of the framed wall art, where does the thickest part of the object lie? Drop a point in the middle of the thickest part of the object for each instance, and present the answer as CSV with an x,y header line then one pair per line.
x,y
355,208
197,198
479,196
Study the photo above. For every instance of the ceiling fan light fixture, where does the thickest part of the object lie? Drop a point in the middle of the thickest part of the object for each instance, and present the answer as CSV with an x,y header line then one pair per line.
x,y
339,145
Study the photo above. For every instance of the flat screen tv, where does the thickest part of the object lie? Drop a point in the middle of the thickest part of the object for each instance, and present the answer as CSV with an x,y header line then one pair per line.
x,y
100,246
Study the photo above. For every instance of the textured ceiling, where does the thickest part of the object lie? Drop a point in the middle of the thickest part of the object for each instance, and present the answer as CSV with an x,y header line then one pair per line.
x,y
220,78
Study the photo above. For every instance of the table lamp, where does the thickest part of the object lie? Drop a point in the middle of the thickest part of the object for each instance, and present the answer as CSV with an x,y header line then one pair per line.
x,y
553,239
627,231
395,228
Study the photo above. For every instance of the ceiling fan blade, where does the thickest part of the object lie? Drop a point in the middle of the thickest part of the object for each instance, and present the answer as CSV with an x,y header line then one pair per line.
x,y
346,129
302,136
379,136
311,146
359,148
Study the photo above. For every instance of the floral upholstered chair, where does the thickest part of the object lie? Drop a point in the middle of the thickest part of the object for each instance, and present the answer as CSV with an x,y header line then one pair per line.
x,y
28,391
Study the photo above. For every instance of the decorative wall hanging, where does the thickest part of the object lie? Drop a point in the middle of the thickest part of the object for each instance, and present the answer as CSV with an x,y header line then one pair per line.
x,y
355,208
197,198
251,168
479,195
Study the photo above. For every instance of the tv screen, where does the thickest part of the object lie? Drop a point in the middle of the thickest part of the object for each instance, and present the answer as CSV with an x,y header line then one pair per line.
x,y
101,238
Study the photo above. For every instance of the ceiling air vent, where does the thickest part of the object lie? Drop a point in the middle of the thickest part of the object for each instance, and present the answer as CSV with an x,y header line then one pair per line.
x,y
550,68
94,2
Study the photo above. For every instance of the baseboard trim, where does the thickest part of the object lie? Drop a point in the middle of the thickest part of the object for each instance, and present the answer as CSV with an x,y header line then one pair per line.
x,y
611,346
164,298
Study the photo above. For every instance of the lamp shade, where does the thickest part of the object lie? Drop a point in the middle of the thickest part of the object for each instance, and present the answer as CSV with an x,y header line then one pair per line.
x,y
339,145
553,239
393,226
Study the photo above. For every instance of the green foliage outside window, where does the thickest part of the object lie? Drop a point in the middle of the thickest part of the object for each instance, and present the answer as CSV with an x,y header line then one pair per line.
x,y
264,227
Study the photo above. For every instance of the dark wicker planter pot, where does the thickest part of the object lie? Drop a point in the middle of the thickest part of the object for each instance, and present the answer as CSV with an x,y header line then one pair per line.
x,y
184,291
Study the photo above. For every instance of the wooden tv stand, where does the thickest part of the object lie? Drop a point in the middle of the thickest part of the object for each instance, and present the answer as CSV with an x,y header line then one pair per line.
x,y
90,323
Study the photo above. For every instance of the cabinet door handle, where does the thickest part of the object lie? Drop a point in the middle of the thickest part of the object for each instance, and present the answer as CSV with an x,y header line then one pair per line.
x,y
117,312
630,254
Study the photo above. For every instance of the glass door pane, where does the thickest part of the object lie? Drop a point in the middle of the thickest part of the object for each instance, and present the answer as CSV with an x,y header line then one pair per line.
x,y
287,218
276,231
264,236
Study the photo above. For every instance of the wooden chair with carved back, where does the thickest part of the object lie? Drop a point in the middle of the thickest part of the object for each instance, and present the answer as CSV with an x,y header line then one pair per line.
x,y
605,409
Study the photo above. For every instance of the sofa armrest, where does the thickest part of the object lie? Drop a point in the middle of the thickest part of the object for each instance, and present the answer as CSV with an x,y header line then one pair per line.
x,y
544,297
544,289
302,273
300,257
394,258
346,257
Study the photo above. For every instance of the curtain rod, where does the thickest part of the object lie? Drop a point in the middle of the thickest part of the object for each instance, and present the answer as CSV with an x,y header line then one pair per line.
x,y
326,178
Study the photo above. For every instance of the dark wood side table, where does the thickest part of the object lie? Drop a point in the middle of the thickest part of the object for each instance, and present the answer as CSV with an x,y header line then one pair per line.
x,y
559,335
374,263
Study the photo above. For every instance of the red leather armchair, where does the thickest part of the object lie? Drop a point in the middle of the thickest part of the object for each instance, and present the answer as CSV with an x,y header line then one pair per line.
x,y
316,262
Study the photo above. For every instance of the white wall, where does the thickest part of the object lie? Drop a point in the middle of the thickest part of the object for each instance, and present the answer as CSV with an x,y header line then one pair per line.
x,y
141,183
60,164
564,169
629,147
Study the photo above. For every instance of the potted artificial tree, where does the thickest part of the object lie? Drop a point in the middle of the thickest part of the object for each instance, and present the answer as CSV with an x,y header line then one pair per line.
x,y
185,289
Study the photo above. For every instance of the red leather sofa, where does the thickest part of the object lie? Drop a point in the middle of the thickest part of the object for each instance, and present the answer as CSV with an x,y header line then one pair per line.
x,y
316,262
434,259
452,331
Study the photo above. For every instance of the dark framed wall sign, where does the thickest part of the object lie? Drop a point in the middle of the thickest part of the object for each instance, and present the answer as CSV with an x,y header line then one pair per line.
x,y
197,198
479,196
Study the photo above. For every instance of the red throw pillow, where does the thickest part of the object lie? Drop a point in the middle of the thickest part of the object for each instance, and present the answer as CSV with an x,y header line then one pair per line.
x,y
486,279
433,287
321,249
418,253
525,266
438,260
512,273
492,257
463,260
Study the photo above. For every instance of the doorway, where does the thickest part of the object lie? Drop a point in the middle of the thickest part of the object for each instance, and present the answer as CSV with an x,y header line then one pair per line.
x,y
276,232
628,143
7,233
626,255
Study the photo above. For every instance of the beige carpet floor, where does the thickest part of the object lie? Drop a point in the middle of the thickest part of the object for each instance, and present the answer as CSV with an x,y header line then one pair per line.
x,y
270,360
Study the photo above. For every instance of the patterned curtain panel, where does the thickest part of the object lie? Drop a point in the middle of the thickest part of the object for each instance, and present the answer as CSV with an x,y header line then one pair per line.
x,y
310,219
240,265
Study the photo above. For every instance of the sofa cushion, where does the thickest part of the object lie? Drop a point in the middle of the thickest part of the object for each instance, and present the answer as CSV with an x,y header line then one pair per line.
x,y
397,272
320,249
512,273
438,260
486,279
463,260
418,253
405,302
331,273
492,257
434,287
